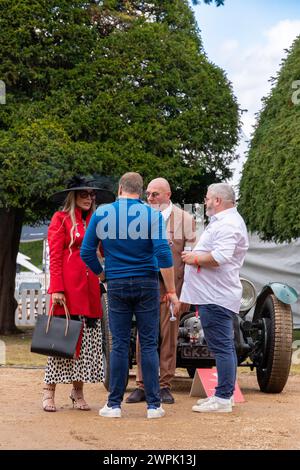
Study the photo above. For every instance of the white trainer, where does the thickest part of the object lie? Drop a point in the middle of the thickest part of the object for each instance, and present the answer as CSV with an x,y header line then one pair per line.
x,y
109,412
155,413
204,400
213,405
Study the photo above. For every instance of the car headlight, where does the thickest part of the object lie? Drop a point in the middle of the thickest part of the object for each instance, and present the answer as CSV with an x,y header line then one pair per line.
x,y
248,295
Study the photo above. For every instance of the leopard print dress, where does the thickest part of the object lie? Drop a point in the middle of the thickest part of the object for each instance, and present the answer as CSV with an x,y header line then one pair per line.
x,y
88,367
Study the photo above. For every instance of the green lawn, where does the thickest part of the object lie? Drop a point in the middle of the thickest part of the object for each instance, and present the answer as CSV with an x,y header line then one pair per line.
x,y
18,351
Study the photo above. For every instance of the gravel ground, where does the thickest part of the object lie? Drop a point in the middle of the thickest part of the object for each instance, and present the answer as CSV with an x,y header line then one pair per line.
x,y
262,422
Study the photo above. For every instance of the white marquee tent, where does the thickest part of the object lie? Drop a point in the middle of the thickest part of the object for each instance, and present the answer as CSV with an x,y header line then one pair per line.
x,y
270,262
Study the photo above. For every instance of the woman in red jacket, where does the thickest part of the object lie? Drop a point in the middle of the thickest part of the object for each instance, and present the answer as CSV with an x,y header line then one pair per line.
x,y
72,282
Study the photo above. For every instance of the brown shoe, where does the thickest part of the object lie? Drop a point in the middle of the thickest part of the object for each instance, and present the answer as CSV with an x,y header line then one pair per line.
x,y
136,396
166,396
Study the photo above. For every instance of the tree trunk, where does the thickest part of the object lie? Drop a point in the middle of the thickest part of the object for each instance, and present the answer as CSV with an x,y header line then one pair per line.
x,y
11,221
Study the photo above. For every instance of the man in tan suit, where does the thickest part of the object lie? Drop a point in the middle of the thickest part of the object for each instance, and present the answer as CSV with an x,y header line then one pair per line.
x,y
181,233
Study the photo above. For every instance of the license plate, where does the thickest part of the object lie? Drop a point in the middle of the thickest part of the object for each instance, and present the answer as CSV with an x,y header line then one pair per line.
x,y
195,352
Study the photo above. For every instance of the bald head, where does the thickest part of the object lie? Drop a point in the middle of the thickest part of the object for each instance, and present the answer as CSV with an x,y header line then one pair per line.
x,y
161,183
159,193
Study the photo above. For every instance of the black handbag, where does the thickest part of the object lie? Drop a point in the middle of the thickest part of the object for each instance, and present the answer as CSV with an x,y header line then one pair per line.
x,y
56,336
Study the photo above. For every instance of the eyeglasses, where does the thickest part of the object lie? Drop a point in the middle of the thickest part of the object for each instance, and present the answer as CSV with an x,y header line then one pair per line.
x,y
154,194
85,194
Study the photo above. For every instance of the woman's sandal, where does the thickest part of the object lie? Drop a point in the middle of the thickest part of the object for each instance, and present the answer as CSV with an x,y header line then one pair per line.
x,y
49,397
77,399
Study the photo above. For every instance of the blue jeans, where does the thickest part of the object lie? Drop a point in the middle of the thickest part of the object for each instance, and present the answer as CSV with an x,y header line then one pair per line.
x,y
217,324
139,296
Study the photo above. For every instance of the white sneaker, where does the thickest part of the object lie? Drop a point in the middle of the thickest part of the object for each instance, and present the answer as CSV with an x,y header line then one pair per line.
x,y
213,405
155,413
109,412
204,400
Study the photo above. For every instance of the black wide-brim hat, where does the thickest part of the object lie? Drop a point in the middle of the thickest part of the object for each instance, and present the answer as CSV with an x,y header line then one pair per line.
x,y
79,183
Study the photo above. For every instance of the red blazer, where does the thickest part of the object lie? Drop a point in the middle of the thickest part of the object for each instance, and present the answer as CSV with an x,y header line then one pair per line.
x,y
68,273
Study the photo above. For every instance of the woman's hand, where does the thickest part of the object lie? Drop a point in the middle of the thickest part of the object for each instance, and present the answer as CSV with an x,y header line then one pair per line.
x,y
58,298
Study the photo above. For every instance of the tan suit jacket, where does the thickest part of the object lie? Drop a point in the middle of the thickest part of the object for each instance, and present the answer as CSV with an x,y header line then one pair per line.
x,y
181,232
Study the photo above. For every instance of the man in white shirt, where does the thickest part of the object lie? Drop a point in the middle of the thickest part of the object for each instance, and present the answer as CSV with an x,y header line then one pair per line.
x,y
212,282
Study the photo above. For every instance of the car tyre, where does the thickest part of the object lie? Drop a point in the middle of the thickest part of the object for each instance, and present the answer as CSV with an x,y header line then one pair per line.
x,y
273,373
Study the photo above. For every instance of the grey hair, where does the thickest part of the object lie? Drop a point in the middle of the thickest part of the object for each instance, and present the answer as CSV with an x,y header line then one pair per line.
x,y
223,190
132,183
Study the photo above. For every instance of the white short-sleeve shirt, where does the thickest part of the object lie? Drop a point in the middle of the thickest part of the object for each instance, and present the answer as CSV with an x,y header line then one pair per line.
x,y
226,239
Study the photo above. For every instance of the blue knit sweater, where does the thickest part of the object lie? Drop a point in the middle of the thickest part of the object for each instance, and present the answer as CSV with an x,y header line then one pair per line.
x,y
133,238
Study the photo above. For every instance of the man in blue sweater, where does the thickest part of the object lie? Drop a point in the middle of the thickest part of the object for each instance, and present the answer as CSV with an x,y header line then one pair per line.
x,y
136,249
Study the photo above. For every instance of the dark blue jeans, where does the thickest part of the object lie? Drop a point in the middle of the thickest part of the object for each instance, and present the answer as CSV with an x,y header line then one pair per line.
x,y
139,296
217,324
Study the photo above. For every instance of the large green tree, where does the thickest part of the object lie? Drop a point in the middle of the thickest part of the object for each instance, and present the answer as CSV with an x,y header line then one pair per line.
x,y
270,184
104,87
39,41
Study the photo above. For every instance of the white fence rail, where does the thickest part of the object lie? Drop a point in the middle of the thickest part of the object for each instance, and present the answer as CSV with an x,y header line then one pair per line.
x,y
30,304
43,279
32,298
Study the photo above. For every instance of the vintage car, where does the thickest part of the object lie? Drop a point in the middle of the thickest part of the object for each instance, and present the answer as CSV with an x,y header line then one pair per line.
x,y
263,332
